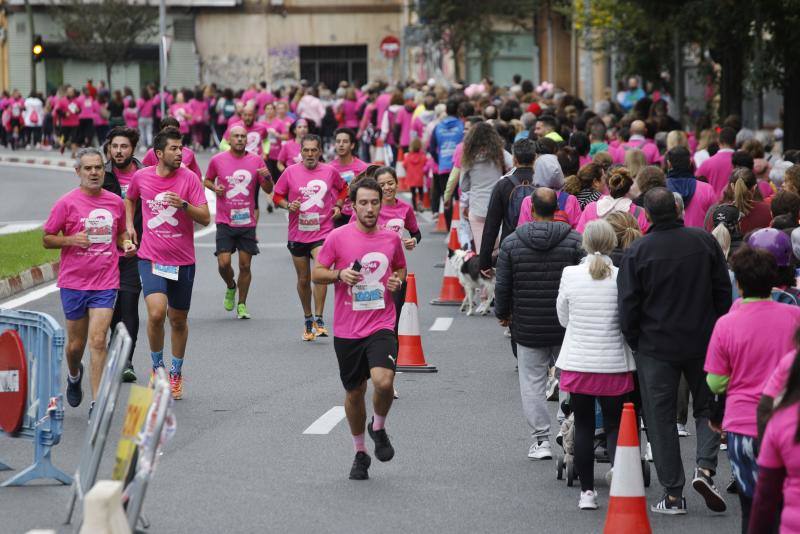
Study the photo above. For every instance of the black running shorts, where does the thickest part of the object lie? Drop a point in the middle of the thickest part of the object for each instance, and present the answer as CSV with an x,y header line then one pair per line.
x,y
230,239
357,356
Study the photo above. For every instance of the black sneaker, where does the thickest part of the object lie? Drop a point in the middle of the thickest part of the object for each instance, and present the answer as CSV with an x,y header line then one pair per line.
x,y
360,466
669,506
732,487
75,390
704,485
128,374
383,447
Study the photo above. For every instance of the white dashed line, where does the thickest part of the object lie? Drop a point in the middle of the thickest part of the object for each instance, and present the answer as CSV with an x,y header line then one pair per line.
x,y
327,422
441,324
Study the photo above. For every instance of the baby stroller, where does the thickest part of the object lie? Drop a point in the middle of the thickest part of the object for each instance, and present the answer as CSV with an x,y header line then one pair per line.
x,y
565,462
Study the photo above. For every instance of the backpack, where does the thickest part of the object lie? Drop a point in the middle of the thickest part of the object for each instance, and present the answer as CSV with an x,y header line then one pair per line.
x,y
518,194
561,214
790,295
228,109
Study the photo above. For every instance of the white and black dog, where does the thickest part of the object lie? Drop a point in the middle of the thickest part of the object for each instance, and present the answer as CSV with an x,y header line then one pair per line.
x,y
467,266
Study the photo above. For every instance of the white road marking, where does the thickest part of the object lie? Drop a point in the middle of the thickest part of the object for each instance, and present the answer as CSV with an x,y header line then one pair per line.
x,y
441,324
37,166
19,227
325,424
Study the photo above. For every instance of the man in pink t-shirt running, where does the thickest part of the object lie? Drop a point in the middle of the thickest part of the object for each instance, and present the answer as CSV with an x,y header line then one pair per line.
x,y
235,177
87,225
313,192
347,165
172,200
366,264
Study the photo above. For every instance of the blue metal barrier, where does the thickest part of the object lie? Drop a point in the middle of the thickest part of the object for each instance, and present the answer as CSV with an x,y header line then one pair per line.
x,y
43,339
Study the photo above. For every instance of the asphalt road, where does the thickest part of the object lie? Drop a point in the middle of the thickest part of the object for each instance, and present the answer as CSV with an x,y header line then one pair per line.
x,y
240,462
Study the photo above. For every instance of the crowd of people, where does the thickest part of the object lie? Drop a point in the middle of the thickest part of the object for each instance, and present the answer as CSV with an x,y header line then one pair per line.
x,y
634,259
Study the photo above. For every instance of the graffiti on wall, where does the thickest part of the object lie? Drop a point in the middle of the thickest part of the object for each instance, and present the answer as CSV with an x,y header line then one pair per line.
x,y
233,71
284,63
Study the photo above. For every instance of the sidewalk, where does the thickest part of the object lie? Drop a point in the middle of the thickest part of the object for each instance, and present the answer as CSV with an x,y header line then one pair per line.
x,y
55,158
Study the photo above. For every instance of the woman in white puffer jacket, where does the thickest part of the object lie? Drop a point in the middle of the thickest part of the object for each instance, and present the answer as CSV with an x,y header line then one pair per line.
x,y
595,361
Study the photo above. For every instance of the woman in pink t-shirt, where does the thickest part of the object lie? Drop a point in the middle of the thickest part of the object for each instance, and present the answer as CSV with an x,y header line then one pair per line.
x,y
779,464
290,150
348,109
619,184
740,358
276,129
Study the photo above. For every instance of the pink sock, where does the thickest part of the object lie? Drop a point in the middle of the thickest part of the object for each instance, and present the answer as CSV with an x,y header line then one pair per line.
x,y
378,421
358,443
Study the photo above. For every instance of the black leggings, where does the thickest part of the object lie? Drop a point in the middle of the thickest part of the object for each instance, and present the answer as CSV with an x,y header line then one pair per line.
x,y
126,310
583,408
416,196
437,194
399,298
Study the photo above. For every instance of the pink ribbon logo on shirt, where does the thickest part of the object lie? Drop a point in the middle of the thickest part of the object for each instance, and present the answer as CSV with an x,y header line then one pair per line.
x,y
253,138
314,193
395,225
239,181
373,266
162,212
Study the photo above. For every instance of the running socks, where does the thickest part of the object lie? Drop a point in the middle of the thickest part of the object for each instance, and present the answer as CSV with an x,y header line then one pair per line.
x,y
378,421
358,443
309,321
158,359
177,365
74,379
319,321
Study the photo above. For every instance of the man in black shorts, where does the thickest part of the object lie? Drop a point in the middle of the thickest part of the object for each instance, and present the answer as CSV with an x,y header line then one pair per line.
x,y
366,263
235,176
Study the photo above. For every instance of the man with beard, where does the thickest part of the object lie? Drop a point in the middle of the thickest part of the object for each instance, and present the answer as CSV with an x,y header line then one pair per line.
x,y
119,170
172,200
347,165
366,264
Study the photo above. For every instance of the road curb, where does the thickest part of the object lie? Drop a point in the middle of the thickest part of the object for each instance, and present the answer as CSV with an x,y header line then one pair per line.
x,y
27,279
30,160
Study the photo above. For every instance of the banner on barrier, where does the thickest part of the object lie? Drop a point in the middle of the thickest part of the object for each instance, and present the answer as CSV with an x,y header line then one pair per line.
x,y
139,402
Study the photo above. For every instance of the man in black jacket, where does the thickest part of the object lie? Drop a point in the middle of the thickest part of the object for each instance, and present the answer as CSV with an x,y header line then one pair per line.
x,y
498,215
673,285
120,146
528,275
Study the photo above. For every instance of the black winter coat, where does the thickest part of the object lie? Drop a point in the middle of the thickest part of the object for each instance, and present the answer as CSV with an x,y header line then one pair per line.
x,y
528,276
673,285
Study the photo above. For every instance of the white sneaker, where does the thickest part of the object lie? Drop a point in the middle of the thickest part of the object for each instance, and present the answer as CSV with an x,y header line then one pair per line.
x,y
682,432
540,451
648,455
723,446
588,500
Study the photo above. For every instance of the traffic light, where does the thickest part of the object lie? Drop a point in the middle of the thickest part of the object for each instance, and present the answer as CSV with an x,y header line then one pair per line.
x,y
38,48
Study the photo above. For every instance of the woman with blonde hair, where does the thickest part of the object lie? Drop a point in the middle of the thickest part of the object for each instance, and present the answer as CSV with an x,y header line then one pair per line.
x,y
635,161
677,138
627,231
595,362
742,192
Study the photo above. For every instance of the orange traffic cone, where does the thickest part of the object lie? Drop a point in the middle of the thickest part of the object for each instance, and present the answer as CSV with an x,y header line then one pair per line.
x,y
456,211
451,294
410,357
426,200
453,243
627,507
441,223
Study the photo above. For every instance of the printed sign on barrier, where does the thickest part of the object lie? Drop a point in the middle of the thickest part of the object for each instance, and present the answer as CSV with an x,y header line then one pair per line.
x,y
138,405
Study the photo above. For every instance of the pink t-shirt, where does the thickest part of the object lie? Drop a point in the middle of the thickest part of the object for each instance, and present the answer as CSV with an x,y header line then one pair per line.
x,y
717,170
317,189
188,160
776,382
262,99
648,147
350,114
124,179
240,178
367,307
89,108
348,172
70,112
181,112
274,140
168,231
256,134
572,208
457,153
102,218
131,116
146,107
704,197
403,118
746,345
590,214
779,450
289,153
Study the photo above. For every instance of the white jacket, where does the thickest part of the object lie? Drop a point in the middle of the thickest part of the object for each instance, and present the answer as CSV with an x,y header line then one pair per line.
x,y
587,308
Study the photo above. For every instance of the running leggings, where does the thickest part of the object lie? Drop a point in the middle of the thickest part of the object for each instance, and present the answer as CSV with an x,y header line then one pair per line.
x,y
583,409
126,310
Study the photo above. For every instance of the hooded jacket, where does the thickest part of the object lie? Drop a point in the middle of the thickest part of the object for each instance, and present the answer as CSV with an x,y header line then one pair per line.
x,y
673,285
682,182
447,134
547,173
128,267
528,276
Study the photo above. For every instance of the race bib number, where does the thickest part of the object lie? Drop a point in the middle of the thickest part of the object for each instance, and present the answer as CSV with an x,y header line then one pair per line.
x,y
124,191
348,176
308,221
170,272
368,297
98,229
73,107
240,216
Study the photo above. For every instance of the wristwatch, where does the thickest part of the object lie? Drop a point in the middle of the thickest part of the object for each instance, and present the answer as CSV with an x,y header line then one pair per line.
x,y
184,205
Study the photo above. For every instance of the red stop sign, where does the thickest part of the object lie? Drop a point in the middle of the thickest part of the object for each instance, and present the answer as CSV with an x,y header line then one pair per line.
x,y
390,47
13,381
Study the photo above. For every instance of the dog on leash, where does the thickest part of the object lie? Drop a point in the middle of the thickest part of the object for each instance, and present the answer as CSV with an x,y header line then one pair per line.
x,y
467,266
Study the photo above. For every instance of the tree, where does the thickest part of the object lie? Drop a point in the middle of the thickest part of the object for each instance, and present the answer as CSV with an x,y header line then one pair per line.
x,y
463,24
105,31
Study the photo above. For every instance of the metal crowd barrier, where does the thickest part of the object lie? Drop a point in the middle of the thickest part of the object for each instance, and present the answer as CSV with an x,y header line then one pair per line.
x,y
43,340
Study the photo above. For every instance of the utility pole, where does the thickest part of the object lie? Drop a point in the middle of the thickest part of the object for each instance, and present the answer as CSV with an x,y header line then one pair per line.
x,y
29,12
162,55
